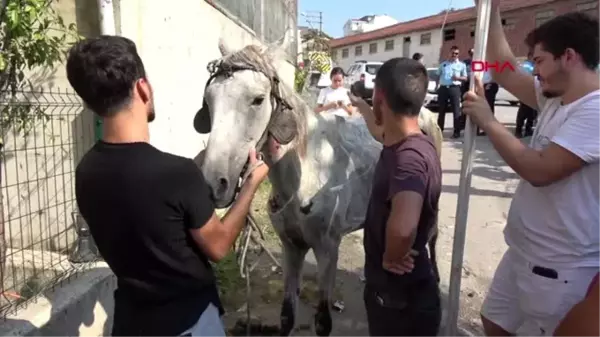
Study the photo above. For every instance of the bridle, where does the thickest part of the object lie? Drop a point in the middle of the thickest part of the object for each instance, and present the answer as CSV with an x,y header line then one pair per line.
x,y
218,68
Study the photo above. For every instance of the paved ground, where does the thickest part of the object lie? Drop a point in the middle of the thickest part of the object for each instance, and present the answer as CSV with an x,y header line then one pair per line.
x,y
492,186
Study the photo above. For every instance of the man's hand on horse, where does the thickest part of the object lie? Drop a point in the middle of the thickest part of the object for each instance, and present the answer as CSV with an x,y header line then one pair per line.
x,y
476,106
257,169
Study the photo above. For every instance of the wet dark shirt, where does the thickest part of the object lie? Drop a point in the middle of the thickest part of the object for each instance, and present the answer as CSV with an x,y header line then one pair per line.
x,y
410,165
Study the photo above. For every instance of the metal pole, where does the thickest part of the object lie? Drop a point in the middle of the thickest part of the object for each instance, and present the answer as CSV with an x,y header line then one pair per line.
x,y
462,209
107,17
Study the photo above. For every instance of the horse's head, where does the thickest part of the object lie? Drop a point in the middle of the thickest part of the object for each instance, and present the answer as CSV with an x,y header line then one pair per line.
x,y
244,106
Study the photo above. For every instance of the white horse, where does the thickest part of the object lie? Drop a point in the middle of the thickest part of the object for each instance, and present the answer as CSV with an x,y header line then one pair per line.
x,y
321,168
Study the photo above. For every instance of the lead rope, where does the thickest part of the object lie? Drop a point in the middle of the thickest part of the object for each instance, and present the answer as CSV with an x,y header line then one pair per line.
x,y
241,250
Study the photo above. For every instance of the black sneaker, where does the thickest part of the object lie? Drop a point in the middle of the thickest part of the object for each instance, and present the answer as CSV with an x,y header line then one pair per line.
x,y
456,134
528,133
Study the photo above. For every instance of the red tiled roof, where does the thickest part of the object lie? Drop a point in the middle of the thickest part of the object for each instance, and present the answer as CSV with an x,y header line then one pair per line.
x,y
429,22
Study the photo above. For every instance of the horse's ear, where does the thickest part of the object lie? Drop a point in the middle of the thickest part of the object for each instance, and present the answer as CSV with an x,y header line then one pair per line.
x,y
202,119
284,127
279,48
224,48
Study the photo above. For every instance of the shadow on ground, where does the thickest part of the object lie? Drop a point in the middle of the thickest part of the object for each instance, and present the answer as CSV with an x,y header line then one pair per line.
x,y
266,296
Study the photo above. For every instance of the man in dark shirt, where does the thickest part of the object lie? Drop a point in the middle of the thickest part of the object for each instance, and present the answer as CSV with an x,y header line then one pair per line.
x,y
401,294
149,212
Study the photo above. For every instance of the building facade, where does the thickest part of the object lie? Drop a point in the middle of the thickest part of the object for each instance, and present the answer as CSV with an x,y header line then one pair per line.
x,y
368,23
402,39
425,35
518,17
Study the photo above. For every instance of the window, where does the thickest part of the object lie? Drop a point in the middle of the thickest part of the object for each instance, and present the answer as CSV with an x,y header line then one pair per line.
x,y
389,45
407,39
472,29
373,48
358,51
589,7
449,34
345,53
371,69
509,23
543,16
334,54
425,38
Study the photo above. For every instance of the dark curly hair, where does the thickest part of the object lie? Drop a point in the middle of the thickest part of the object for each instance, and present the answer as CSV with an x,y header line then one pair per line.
x,y
103,71
576,30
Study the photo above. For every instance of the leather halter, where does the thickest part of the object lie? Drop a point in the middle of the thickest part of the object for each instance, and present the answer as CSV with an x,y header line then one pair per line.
x,y
219,68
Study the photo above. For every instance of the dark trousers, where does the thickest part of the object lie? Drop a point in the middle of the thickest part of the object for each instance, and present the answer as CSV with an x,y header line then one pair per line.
x,y
525,116
409,311
449,93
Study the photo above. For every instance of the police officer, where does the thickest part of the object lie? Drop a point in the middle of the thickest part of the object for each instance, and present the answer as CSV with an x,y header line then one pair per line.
x,y
451,75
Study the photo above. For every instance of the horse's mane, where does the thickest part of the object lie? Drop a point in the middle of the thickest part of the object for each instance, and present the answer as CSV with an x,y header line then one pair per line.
x,y
258,58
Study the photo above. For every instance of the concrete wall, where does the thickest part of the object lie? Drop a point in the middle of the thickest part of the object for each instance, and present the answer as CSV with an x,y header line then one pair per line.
x,y
430,51
38,187
176,41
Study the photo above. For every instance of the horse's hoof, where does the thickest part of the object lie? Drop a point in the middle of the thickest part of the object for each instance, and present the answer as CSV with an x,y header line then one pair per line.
x,y
287,318
323,323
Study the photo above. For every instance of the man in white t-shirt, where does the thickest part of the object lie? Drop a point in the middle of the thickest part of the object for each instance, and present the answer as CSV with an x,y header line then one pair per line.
x,y
334,99
552,228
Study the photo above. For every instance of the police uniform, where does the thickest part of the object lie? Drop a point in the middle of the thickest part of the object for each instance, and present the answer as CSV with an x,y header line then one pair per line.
x,y
450,90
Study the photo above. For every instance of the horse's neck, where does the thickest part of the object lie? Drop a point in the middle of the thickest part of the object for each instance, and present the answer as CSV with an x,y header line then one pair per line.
x,y
289,177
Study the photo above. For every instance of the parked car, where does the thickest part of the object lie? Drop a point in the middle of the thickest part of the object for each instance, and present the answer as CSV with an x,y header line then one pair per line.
x,y
431,97
365,72
506,96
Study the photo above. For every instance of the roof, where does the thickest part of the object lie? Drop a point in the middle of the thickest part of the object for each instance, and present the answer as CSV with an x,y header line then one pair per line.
x,y
430,22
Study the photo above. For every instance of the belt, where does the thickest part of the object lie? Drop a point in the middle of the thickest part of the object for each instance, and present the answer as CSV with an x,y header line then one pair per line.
x,y
450,86
545,272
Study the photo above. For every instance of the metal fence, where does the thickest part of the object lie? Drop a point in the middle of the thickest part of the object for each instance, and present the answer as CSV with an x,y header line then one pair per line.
x,y
269,19
38,234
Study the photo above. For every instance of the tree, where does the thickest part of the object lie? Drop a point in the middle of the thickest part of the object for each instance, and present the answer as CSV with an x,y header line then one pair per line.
x,y
32,36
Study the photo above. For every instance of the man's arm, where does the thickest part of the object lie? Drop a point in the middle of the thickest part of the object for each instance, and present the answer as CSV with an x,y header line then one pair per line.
x,y
517,83
575,144
365,110
439,75
214,236
407,190
582,319
463,73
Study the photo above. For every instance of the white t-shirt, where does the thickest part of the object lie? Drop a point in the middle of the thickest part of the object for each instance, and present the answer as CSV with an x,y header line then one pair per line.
x,y
558,225
328,95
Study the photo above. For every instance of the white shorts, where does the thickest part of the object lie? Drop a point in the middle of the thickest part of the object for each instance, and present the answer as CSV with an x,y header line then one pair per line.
x,y
525,303
209,324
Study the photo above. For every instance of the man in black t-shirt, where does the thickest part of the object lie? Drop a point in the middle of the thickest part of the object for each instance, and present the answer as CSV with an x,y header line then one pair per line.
x,y
150,212
401,293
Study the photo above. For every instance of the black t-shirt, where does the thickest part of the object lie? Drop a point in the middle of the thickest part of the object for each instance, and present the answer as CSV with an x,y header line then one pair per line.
x,y
412,164
140,204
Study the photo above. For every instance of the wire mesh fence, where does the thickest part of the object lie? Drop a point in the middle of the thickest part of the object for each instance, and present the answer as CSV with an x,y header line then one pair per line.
x,y
269,19
38,232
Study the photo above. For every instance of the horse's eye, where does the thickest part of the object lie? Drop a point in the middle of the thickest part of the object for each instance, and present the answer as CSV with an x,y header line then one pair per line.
x,y
258,100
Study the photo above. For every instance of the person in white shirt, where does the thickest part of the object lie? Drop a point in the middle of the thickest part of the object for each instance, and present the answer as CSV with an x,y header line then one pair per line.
x,y
334,99
552,228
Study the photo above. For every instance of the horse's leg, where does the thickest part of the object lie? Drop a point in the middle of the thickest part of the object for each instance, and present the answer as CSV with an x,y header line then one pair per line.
x,y
432,252
293,261
326,253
